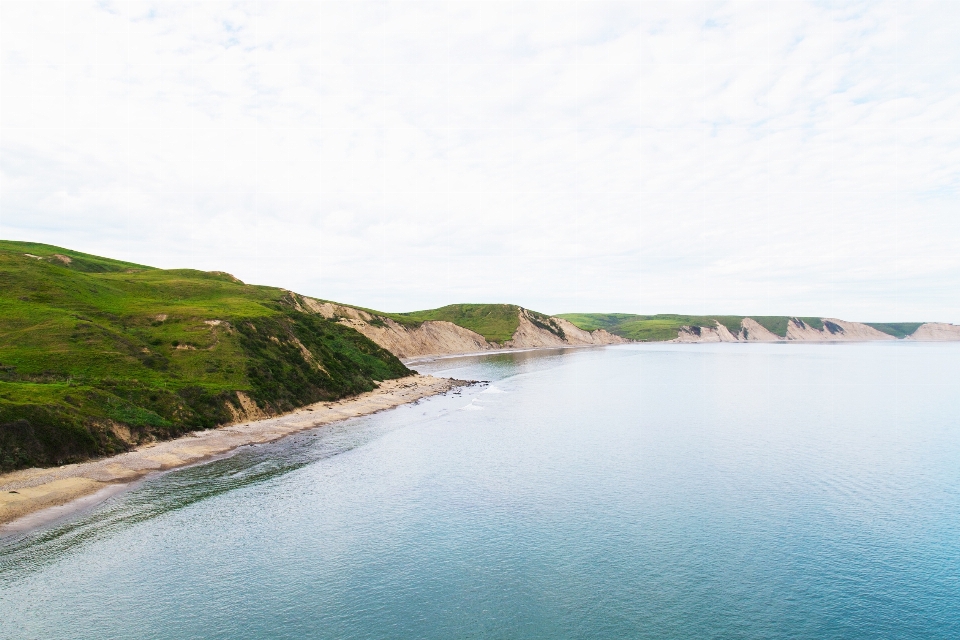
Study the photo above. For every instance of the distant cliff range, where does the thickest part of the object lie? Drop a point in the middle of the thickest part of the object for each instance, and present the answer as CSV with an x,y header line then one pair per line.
x,y
678,328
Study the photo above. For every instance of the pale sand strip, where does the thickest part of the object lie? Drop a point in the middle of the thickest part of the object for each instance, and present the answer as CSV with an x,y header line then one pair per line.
x,y
30,490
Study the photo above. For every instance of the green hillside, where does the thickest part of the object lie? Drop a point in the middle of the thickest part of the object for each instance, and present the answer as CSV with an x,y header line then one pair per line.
x,y
97,355
495,322
895,329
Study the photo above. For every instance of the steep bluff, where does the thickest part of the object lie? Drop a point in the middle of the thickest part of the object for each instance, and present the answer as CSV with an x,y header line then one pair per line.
x,y
936,332
439,337
834,330
409,339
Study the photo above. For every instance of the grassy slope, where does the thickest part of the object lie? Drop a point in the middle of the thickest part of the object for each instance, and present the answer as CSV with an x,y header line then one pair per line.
x,y
895,329
495,322
85,346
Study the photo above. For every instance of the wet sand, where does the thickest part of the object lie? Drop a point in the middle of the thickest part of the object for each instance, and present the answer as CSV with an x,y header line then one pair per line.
x,y
25,493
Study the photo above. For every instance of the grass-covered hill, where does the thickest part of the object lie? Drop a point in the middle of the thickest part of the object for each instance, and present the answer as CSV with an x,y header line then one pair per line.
x,y
666,326
97,355
495,322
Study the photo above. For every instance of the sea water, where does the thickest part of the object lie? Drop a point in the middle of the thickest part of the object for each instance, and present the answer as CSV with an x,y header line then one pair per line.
x,y
643,491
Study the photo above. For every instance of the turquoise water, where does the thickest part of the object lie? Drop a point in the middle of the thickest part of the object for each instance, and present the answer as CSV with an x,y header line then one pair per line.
x,y
649,491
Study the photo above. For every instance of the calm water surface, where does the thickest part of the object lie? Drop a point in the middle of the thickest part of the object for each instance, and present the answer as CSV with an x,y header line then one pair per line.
x,y
650,491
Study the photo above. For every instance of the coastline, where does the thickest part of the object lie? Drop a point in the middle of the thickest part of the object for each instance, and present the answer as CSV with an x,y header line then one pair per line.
x,y
492,352
423,359
27,494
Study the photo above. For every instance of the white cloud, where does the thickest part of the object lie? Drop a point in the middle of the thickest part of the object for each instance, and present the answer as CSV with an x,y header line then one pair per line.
x,y
738,157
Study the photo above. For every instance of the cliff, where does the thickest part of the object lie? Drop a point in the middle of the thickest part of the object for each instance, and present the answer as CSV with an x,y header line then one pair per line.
x,y
681,328
936,332
832,330
415,339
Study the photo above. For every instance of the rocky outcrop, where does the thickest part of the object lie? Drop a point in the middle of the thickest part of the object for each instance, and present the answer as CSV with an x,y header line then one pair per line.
x,y
753,331
936,332
437,337
542,331
718,333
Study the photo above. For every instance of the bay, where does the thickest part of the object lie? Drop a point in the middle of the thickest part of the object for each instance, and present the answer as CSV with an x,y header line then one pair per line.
x,y
642,491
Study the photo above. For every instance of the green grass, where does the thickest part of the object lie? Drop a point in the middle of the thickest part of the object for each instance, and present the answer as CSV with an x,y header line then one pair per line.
x,y
78,261
594,321
895,329
91,343
495,322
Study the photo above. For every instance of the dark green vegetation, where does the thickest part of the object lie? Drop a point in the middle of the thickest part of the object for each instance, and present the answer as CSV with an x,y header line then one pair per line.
x,y
495,322
666,326
895,329
97,355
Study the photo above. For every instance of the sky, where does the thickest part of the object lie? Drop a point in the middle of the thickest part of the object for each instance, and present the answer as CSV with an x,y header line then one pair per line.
x,y
766,158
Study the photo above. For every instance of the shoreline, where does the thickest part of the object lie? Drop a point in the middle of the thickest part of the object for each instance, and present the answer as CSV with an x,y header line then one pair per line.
x,y
33,497
446,356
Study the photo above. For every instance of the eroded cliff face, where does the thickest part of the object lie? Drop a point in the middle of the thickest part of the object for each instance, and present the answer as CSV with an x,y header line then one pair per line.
x,y
538,331
437,337
753,331
936,332
534,330
705,334
834,330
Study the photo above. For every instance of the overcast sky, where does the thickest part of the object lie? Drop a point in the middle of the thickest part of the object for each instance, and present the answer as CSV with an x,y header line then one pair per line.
x,y
649,157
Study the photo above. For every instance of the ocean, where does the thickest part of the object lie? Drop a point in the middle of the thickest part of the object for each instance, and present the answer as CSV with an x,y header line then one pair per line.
x,y
639,491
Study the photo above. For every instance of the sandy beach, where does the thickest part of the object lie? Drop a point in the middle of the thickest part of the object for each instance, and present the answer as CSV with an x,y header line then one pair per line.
x,y
57,489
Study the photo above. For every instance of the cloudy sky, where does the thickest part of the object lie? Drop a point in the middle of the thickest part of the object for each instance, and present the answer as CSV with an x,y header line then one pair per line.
x,y
772,157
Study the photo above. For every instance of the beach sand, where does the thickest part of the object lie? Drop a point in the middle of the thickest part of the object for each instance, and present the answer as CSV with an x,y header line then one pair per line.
x,y
30,491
